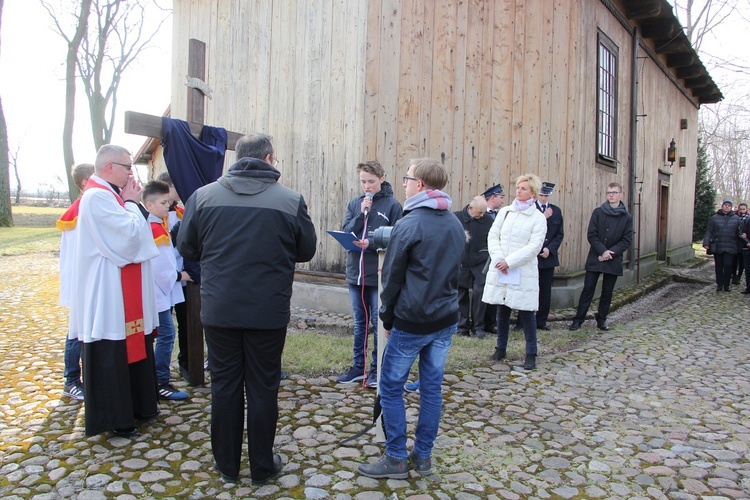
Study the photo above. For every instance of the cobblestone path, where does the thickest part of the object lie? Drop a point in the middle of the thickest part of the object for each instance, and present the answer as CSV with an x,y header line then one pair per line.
x,y
659,407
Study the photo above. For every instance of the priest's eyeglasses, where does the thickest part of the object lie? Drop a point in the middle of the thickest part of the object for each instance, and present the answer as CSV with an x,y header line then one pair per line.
x,y
129,166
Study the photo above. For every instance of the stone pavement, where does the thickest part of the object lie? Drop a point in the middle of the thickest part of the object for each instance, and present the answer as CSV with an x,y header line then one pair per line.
x,y
657,408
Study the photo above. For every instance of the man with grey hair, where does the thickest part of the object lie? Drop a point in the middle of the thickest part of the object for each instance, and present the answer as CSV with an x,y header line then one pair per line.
x,y
471,278
247,231
113,308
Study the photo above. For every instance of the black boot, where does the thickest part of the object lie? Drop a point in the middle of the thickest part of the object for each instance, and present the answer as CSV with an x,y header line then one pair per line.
x,y
498,354
530,363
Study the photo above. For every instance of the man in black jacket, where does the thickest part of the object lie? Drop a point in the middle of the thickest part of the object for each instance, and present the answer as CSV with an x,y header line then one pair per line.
x,y
610,233
419,311
744,237
547,259
471,278
247,231
495,197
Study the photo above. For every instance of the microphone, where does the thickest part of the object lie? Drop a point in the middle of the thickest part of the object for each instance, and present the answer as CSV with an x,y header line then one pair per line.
x,y
366,211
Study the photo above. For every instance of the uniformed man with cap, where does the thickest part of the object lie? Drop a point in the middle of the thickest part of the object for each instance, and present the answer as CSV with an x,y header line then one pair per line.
x,y
495,197
548,259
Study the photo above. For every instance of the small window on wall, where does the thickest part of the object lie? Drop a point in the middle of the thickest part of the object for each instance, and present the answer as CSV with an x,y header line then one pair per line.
x,y
606,102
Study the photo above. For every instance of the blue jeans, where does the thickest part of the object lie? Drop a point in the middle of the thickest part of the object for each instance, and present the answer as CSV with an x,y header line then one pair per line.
x,y
359,310
72,373
164,346
399,355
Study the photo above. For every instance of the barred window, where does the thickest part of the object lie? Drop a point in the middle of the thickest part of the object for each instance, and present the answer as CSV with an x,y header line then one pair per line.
x,y
606,125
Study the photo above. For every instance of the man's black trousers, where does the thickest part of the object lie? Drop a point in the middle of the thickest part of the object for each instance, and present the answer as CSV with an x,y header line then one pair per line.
x,y
243,363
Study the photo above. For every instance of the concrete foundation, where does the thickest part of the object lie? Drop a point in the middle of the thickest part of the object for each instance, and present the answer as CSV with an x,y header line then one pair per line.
x,y
333,297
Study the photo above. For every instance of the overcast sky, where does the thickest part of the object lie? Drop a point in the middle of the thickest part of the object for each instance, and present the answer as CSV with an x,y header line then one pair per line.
x,y
32,87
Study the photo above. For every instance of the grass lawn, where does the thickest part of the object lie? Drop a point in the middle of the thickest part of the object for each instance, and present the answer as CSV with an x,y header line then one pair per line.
x,y
332,354
34,231
25,240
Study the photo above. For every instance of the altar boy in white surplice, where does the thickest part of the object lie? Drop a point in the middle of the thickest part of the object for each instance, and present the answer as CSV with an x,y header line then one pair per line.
x,y
114,310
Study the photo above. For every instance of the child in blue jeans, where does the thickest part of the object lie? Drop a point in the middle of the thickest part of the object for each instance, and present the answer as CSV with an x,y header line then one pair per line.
x,y
167,285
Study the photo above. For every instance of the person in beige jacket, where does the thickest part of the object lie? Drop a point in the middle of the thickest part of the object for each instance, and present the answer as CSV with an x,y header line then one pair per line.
x,y
515,240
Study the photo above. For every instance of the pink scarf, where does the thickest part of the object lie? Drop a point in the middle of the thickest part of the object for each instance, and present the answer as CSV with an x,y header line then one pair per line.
x,y
523,205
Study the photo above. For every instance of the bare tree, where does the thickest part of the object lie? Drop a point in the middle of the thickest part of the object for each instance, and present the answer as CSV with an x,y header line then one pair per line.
x,y
702,17
73,41
108,35
724,127
115,39
6,215
13,159
726,132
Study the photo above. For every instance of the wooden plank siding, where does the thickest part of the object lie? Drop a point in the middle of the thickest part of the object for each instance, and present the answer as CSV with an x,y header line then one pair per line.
x,y
495,88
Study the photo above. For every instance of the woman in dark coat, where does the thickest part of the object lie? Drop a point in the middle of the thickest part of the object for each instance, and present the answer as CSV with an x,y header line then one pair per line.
x,y
722,228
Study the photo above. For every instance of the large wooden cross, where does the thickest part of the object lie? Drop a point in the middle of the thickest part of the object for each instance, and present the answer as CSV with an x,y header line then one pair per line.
x,y
150,126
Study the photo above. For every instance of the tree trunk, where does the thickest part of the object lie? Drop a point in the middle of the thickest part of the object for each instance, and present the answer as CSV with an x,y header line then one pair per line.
x,y
70,96
6,215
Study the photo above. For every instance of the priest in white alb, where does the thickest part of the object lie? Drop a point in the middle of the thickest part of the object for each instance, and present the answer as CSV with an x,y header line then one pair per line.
x,y
113,307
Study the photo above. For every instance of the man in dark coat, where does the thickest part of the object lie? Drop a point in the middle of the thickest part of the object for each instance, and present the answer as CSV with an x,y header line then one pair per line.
x,y
744,236
495,197
247,231
548,259
723,229
610,233
471,278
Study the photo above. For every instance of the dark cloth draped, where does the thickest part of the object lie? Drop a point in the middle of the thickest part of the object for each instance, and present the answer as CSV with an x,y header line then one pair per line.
x,y
191,162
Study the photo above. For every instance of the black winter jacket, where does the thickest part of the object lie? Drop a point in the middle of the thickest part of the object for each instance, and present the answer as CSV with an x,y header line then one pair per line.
x,y
385,211
420,272
609,229
475,252
248,232
723,227
552,239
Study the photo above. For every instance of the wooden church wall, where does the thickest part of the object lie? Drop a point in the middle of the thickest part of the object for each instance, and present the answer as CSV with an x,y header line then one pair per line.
x,y
492,88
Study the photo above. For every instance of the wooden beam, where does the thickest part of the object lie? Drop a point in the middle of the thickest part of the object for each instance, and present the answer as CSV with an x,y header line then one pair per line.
x,y
643,9
672,46
712,99
196,112
700,81
150,126
660,28
680,60
691,71
708,90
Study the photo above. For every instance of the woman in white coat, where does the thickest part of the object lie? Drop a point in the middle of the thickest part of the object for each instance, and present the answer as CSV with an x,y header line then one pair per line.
x,y
515,240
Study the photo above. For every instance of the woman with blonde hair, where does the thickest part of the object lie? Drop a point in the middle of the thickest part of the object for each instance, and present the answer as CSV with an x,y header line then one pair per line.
x,y
515,240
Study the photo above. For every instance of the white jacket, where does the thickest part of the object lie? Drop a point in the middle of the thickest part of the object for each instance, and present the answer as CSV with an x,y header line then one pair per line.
x,y
518,238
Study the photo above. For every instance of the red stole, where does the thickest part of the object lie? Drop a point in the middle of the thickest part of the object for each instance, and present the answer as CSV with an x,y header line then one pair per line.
x,y
132,296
